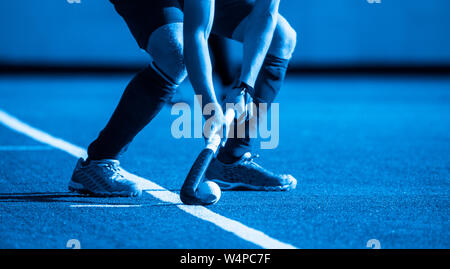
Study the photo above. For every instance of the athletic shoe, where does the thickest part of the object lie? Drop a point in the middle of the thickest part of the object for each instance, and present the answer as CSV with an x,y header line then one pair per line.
x,y
102,178
246,174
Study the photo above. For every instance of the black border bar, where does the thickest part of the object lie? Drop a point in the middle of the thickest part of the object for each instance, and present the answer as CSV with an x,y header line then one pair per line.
x,y
255,258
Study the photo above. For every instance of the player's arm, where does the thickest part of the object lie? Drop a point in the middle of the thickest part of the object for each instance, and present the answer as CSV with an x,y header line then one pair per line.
x,y
260,27
198,20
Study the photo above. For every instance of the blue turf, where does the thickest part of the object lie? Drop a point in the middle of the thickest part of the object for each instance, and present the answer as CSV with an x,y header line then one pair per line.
x,y
371,155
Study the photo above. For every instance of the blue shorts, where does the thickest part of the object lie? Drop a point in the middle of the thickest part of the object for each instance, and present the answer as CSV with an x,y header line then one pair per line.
x,y
145,16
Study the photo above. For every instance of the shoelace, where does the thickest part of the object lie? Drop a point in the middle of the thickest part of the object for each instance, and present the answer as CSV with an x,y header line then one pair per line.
x,y
115,169
250,158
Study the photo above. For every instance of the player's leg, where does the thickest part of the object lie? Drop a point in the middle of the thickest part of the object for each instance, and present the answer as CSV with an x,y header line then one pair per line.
x,y
274,66
273,70
145,95
269,81
235,159
157,27
221,56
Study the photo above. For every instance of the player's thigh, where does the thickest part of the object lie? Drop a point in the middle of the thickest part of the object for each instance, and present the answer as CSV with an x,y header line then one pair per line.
x,y
157,27
144,17
232,20
229,15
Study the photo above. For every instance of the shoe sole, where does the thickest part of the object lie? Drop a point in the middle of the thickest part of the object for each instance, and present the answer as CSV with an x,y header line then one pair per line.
x,y
79,188
226,186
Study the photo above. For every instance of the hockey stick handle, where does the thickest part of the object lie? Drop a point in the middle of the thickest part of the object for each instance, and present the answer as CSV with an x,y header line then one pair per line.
x,y
215,139
198,169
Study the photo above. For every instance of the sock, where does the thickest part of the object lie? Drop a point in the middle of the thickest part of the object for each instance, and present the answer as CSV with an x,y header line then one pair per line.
x,y
270,79
267,86
143,98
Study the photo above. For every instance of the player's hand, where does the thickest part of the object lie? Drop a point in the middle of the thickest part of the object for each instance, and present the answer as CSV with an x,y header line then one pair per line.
x,y
216,124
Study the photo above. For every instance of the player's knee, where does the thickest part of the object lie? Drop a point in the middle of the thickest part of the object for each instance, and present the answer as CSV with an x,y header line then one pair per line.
x,y
284,40
170,62
166,48
290,39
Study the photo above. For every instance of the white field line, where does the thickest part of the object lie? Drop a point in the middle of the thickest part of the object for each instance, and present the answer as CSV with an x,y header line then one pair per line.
x,y
240,230
105,205
38,135
25,148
